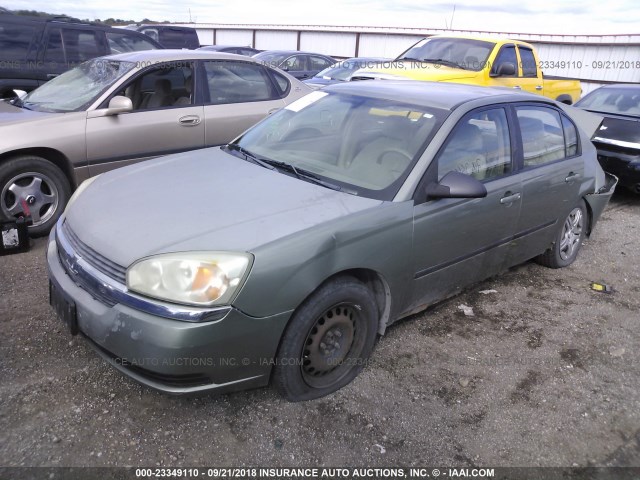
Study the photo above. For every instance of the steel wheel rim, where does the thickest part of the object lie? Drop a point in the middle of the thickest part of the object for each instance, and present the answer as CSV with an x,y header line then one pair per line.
x,y
37,189
333,345
571,234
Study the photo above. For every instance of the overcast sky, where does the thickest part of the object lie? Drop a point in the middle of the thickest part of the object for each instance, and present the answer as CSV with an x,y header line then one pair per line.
x,y
520,16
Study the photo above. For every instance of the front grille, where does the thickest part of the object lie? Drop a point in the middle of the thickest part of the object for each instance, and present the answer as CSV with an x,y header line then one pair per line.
x,y
93,258
66,260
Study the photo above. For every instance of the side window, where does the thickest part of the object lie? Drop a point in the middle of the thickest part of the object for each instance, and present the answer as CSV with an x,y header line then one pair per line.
x,y
506,55
295,63
81,45
479,146
570,137
529,67
282,83
542,135
166,86
318,63
123,42
54,52
237,82
15,41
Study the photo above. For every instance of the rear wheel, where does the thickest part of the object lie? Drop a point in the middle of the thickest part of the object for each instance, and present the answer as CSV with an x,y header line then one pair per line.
x,y
37,183
327,342
568,241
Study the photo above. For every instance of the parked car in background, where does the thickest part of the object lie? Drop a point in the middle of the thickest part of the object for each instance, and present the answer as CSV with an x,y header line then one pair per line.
x,y
34,50
301,65
240,50
618,138
486,61
116,110
343,70
170,36
282,255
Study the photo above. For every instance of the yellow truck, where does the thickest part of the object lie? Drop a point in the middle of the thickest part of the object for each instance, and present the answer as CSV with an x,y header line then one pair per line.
x,y
496,62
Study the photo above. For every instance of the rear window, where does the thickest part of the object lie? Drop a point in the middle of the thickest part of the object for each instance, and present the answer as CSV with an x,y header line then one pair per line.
x,y
15,41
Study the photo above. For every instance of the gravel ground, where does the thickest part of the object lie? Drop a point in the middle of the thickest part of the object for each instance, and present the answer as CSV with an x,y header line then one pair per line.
x,y
545,373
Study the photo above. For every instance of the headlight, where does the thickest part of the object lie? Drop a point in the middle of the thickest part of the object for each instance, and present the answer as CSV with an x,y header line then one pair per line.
x,y
192,278
81,188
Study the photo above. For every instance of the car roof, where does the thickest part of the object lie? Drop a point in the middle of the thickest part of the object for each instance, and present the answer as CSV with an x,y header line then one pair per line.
x,y
431,94
168,55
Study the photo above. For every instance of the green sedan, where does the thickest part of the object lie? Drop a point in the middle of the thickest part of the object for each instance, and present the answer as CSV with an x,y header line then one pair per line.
x,y
282,256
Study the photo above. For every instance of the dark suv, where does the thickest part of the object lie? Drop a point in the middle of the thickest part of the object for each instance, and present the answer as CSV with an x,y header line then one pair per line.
x,y
170,36
34,50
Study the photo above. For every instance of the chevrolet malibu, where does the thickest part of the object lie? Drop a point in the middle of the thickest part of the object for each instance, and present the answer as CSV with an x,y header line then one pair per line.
x,y
281,256
117,110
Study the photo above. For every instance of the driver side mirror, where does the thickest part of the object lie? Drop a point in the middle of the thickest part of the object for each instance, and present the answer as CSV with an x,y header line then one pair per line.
x,y
456,185
19,93
506,69
119,104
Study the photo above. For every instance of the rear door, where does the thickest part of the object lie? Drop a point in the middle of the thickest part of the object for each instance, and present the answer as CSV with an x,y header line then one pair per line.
x,y
166,118
237,95
459,241
552,170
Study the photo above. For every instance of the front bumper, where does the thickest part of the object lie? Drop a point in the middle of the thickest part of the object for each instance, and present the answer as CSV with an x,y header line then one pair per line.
x,y
232,353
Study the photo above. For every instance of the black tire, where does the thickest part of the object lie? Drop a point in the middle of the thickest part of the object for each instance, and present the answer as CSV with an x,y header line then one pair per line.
x,y
327,342
568,241
44,185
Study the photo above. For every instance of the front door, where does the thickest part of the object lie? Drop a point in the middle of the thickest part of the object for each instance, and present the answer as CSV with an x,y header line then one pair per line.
x,y
165,119
461,241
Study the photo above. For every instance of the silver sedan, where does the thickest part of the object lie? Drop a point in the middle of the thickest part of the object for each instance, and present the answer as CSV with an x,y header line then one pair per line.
x,y
116,110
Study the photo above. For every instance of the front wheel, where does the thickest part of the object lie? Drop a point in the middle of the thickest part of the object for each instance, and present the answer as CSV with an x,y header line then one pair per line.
x,y
37,183
567,244
327,342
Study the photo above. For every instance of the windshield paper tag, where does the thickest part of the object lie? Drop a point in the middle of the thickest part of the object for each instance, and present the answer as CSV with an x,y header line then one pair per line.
x,y
305,101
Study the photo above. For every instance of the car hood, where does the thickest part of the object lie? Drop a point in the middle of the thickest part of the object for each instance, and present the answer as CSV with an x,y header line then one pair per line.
x,y
416,71
10,114
203,200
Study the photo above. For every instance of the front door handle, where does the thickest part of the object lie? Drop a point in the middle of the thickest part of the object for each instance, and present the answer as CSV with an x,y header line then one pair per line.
x,y
518,87
509,198
52,75
189,120
538,87
273,110
571,177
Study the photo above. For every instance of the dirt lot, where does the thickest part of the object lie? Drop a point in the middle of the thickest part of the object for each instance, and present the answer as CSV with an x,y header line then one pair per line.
x,y
545,373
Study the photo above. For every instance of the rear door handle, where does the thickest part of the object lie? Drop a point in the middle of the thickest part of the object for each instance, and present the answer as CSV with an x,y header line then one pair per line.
x,y
273,110
509,198
571,177
538,87
52,75
518,87
189,120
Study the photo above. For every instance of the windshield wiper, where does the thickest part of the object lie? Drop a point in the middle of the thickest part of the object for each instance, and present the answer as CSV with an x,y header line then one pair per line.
x,y
248,155
444,62
276,164
303,174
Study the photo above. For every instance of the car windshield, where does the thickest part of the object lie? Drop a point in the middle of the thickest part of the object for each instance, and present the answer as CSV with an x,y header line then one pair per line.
x,y
623,101
360,145
467,54
343,70
78,87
